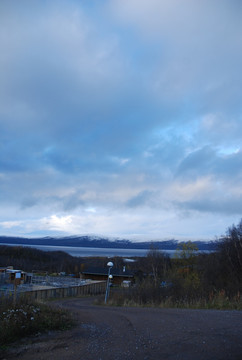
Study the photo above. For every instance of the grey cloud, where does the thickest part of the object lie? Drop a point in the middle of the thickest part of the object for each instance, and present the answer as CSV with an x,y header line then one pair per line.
x,y
201,54
221,130
72,202
207,161
145,197
29,202
64,202
197,161
220,205
82,93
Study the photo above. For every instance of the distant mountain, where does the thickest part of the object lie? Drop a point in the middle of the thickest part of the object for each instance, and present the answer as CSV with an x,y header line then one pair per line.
x,y
102,242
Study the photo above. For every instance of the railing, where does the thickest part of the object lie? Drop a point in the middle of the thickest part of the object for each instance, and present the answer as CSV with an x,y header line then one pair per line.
x,y
35,293
56,281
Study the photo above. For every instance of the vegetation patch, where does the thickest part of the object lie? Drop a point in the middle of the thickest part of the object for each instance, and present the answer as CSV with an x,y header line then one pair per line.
x,y
155,297
190,279
28,318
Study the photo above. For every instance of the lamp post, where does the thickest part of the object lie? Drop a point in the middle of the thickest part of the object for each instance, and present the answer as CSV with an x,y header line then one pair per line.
x,y
110,265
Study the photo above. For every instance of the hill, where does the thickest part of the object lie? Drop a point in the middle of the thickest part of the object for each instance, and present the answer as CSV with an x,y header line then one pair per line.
x,y
102,242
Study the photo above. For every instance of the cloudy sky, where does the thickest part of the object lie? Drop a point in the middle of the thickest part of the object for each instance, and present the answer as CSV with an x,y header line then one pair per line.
x,y
120,117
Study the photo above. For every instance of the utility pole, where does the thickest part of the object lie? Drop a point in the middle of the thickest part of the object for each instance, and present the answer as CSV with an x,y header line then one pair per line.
x,y
110,265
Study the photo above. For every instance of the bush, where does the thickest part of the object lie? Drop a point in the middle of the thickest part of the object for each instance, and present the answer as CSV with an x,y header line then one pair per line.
x,y
26,318
147,294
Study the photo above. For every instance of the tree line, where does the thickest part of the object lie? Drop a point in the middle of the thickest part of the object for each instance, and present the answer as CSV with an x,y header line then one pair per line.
x,y
29,259
190,278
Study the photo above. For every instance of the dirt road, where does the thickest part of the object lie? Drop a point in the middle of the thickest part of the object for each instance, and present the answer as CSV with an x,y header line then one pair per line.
x,y
113,333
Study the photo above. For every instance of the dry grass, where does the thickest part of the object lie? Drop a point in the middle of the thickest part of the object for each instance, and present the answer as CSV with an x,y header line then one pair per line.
x,y
219,300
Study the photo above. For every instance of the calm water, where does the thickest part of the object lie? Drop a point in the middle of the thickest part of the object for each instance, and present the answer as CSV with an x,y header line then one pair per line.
x,y
84,251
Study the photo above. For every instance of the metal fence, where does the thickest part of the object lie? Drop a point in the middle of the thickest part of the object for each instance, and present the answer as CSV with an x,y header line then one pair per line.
x,y
57,281
3,278
36,292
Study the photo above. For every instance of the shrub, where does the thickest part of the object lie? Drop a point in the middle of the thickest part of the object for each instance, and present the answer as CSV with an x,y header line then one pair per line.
x,y
147,294
26,318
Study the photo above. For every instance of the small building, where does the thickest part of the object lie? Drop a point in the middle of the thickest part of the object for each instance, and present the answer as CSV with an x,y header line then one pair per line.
x,y
97,273
12,276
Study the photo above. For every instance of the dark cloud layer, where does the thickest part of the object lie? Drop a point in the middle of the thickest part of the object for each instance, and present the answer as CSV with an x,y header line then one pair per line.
x,y
120,113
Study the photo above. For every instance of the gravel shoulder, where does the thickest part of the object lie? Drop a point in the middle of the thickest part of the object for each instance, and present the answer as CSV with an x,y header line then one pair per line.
x,y
117,333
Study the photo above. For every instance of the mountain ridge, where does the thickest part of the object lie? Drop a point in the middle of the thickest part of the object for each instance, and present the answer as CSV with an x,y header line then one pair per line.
x,y
103,242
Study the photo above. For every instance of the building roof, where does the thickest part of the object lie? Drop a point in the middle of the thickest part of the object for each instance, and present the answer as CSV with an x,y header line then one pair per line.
x,y
104,272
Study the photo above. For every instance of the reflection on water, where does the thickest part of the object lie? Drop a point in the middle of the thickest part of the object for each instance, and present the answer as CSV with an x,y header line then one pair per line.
x,y
85,251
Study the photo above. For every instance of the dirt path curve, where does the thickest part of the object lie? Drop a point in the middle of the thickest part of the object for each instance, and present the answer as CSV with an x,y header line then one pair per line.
x,y
115,333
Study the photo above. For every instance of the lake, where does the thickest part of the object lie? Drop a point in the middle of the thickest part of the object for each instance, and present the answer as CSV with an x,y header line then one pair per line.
x,y
86,251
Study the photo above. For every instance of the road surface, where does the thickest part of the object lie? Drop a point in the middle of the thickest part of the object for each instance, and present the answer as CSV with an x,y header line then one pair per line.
x,y
120,333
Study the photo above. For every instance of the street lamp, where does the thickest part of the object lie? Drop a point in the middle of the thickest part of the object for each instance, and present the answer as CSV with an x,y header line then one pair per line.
x,y
110,265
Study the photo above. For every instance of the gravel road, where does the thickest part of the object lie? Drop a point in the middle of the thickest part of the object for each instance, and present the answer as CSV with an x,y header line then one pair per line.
x,y
118,333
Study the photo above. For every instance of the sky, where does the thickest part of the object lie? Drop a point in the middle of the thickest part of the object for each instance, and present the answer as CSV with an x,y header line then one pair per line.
x,y
120,118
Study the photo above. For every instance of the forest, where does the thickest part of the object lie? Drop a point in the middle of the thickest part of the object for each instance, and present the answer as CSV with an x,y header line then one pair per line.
x,y
190,279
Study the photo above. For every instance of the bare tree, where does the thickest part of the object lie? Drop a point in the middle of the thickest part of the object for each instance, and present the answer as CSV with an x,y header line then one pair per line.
x,y
230,251
158,263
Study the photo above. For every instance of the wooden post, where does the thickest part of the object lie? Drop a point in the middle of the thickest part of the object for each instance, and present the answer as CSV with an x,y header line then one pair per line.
x,y
15,292
17,277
